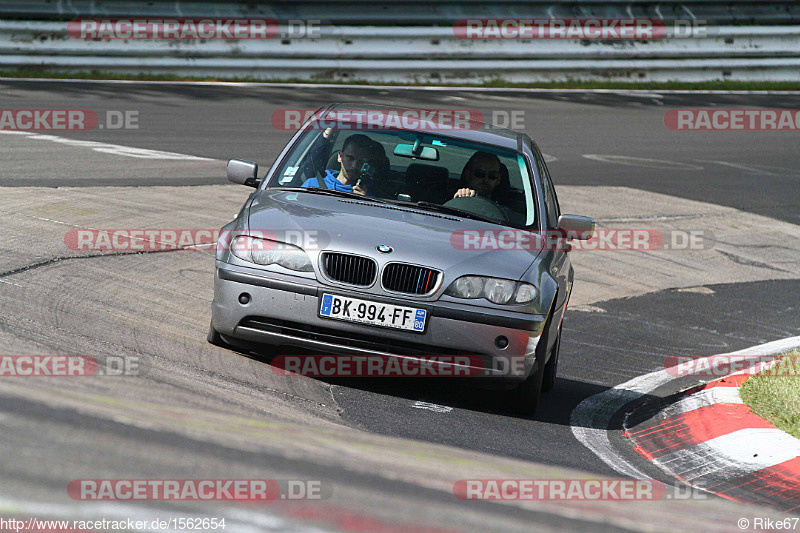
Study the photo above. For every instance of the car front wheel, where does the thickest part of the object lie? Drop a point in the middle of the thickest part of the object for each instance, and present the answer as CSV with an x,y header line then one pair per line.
x,y
524,398
214,337
551,368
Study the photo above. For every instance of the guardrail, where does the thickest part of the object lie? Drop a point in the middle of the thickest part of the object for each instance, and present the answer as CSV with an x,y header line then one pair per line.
x,y
417,12
422,54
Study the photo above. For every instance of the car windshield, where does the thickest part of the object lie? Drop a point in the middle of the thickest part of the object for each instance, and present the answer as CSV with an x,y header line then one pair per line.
x,y
429,171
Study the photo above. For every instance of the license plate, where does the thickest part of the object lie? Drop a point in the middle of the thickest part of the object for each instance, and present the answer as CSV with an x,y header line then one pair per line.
x,y
372,313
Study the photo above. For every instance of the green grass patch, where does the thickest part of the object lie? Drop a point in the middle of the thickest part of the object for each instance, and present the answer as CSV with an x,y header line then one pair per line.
x,y
774,393
495,83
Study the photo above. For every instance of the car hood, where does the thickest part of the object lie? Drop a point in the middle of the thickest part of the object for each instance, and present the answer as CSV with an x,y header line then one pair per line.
x,y
319,222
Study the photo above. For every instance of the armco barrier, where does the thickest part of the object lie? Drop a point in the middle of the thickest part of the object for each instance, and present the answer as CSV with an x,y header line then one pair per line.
x,y
423,54
416,12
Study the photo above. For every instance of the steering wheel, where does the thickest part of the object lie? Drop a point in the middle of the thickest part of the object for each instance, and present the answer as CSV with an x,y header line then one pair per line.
x,y
480,205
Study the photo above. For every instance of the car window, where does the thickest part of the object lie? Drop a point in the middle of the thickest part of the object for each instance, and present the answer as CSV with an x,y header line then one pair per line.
x,y
442,166
550,198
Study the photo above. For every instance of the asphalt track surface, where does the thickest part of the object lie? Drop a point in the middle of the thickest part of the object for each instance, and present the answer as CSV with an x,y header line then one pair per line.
x,y
221,122
613,341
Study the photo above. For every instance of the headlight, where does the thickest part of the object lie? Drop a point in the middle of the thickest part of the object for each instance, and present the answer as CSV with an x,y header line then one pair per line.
x,y
467,287
267,252
499,291
525,293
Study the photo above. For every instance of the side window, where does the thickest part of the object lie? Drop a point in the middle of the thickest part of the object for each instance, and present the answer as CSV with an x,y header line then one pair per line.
x,y
550,198
554,210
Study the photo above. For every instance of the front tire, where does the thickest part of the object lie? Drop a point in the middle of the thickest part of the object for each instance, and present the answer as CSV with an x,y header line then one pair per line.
x,y
524,398
551,368
215,338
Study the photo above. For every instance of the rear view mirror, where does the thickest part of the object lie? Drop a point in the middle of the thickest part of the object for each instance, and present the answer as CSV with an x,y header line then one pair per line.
x,y
243,172
419,152
576,226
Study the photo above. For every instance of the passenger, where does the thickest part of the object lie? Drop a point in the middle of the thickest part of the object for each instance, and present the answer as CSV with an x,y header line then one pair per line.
x,y
357,150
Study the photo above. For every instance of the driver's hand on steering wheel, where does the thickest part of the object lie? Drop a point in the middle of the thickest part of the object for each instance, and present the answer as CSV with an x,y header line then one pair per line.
x,y
464,192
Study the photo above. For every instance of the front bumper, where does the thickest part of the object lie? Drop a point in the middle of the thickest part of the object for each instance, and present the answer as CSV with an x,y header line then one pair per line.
x,y
282,311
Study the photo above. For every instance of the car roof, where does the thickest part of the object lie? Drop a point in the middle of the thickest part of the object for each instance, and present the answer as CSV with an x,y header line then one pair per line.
x,y
482,132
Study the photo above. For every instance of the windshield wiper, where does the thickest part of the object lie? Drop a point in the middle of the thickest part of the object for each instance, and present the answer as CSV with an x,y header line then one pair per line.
x,y
458,212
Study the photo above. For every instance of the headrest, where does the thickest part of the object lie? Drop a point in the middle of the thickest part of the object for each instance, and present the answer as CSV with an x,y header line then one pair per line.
x,y
419,173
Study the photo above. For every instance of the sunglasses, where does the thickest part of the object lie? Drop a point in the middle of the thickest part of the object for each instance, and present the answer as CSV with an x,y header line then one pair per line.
x,y
482,174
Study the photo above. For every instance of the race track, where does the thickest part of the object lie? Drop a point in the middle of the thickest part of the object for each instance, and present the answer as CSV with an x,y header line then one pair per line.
x,y
386,450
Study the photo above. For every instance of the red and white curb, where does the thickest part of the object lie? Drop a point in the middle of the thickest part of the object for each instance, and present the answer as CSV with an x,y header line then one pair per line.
x,y
591,421
711,440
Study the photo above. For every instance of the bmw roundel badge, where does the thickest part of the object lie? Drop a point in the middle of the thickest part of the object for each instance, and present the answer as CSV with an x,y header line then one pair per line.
x,y
384,249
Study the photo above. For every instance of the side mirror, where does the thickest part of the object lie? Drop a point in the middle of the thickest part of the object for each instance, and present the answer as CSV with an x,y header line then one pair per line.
x,y
243,172
576,226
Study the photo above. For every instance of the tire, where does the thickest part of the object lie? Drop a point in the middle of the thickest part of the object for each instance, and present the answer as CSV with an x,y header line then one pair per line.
x,y
215,338
551,368
524,398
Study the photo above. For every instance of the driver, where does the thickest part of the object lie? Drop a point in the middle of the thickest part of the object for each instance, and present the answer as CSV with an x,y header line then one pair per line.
x,y
481,176
357,150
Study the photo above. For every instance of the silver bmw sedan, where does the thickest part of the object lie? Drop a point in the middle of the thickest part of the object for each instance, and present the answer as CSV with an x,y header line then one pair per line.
x,y
406,235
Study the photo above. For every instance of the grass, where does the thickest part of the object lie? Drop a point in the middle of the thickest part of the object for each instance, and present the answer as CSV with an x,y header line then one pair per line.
x,y
774,393
495,83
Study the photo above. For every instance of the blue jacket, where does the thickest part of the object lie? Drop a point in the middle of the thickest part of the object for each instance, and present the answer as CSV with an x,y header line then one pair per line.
x,y
331,180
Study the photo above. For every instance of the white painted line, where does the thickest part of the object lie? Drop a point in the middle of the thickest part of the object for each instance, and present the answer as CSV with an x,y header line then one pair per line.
x,y
770,348
659,218
735,454
764,170
432,407
735,165
591,418
644,93
113,149
641,162
703,398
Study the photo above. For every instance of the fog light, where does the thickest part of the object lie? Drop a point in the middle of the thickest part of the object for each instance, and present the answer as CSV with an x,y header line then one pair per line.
x,y
501,342
244,298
